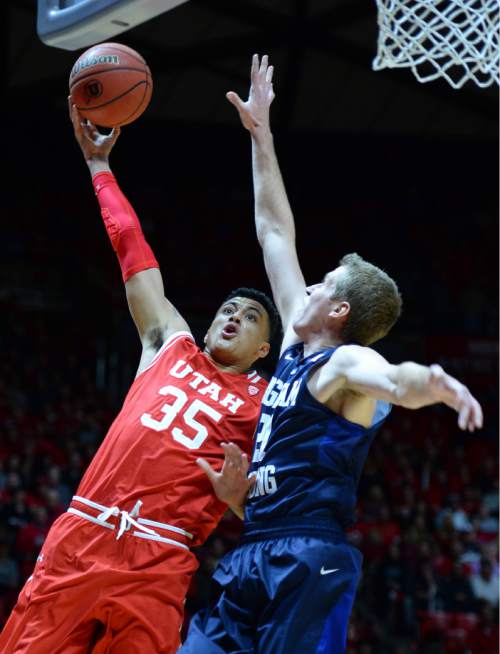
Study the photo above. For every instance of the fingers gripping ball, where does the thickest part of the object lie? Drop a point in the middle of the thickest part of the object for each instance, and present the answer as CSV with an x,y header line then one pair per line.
x,y
110,84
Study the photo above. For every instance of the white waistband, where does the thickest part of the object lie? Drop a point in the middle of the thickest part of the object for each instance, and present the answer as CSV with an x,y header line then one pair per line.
x,y
127,520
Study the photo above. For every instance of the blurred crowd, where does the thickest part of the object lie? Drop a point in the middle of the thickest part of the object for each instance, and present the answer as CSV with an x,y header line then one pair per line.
x,y
427,520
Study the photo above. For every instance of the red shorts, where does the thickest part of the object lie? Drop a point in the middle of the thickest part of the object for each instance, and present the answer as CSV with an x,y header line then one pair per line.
x,y
92,593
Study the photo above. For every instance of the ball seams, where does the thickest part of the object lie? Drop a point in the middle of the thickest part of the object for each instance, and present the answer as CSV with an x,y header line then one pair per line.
x,y
117,97
138,111
94,73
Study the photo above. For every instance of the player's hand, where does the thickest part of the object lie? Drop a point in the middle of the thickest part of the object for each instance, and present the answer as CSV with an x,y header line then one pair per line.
x,y
254,113
449,390
93,144
232,483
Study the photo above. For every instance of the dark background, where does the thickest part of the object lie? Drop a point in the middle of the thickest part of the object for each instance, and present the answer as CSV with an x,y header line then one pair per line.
x,y
406,174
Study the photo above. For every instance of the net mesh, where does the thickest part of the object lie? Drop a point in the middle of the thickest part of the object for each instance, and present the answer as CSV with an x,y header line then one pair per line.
x,y
458,40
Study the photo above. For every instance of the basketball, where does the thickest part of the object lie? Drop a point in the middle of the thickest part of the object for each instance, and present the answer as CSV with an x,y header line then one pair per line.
x,y
110,84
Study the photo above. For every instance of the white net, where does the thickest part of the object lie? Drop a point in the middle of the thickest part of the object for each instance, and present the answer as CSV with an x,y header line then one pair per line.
x,y
458,40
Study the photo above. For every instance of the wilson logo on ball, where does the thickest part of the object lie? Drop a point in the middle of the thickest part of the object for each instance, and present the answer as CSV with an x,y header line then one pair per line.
x,y
87,62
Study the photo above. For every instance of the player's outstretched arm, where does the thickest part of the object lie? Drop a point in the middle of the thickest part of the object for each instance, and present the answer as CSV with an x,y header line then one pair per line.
x,y
155,317
232,483
273,216
364,371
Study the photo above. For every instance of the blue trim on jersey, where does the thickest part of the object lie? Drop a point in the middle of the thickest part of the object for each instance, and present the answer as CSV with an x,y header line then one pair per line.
x,y
382,410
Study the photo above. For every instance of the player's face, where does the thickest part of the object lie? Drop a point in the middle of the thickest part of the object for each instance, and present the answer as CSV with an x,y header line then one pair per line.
x,y
320,309
239,333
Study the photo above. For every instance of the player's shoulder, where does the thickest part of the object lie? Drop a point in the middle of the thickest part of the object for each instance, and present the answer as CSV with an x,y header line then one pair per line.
x,y
257,379
181,342
290,353
251,385
350,354
179,339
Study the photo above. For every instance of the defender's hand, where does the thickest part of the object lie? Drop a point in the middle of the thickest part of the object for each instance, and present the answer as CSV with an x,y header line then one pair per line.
x,y
254,113
451,392
232,483
93,144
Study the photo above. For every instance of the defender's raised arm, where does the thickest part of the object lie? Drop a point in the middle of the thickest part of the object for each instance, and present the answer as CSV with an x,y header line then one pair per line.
x,y
364,372
154,316
273,217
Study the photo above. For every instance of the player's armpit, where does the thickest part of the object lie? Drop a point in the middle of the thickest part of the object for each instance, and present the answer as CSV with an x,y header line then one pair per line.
x,y
290,337
154,316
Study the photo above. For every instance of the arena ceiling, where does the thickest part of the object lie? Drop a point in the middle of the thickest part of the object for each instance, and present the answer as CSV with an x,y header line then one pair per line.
x,y
322,51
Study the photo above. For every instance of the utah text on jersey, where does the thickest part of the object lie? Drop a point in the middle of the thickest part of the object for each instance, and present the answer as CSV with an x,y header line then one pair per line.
x,y
206,388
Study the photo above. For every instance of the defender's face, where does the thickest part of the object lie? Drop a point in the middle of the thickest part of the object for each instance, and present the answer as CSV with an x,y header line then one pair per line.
x,y
239,333
318,303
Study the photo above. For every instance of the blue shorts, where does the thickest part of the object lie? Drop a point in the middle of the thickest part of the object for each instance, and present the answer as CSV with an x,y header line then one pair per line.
x,y
287,589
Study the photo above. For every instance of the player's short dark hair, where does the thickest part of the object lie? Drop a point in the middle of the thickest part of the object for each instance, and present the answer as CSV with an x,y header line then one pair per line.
x,y
374,299
275,332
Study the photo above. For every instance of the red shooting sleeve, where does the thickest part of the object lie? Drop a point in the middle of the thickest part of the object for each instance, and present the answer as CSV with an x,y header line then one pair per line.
x,y
123,227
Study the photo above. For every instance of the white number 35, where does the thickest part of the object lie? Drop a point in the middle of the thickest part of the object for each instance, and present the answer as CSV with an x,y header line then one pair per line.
x,y
172,410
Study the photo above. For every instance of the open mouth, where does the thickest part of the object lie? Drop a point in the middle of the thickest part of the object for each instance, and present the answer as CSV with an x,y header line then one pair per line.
x,y
230,330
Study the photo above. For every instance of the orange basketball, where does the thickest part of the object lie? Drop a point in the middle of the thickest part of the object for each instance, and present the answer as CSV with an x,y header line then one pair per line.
x,y
110,84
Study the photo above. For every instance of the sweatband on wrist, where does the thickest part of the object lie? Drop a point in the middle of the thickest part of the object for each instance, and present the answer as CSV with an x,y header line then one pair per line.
x,y
123,227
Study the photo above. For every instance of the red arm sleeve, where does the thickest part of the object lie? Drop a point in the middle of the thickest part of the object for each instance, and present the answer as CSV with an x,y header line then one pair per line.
x,y
123,227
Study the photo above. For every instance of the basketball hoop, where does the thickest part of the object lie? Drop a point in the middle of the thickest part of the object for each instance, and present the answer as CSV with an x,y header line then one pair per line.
x,y
458,40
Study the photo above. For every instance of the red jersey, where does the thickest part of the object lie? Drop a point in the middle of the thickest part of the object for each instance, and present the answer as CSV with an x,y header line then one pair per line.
x,y
179,408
